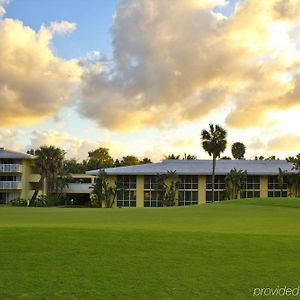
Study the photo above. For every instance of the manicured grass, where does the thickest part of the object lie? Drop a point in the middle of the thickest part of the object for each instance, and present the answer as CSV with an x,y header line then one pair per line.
x,y
215,251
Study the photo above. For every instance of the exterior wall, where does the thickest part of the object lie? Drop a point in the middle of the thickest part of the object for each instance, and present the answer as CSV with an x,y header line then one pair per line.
x,y
23,169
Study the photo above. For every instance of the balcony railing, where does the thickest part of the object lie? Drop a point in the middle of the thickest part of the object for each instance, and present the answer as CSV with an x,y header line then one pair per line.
x,y
10,185
10,168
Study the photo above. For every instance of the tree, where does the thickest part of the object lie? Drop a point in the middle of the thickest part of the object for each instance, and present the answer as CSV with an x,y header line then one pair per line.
x,y
145,160
129,160
172,156
259,157
214,142
189,157
234,180
61,181
294,178
73,166
167,184
49,163
281,179
99,159
271,157
238,150
103,192
225,158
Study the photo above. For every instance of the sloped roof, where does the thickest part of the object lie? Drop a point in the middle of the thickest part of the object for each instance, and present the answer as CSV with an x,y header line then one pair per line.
x,y
202,167
8,154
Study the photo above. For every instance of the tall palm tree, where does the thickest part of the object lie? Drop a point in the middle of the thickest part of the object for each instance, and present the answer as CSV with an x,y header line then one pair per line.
x,y
214,142
49,163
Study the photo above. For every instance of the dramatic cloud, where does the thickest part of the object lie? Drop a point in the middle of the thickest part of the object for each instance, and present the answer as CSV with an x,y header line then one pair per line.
x,y
285,143
34,83
75,147
177,61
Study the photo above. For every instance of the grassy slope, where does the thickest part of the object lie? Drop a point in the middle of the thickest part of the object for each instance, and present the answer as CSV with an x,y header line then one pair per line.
x,y
215,251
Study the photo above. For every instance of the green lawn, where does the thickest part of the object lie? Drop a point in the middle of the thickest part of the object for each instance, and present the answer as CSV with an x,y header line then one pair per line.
x,y
215,251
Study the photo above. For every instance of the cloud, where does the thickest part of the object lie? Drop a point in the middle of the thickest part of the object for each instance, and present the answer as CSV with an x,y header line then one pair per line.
x,y
63,27
75,147
34,83
176,63
2,9
9,139
285,143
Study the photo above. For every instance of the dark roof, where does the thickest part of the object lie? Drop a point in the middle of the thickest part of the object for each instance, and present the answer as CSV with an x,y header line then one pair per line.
x,y
202,167
8,154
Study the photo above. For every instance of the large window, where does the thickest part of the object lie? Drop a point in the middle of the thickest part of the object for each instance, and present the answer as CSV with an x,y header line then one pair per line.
x,y
274,187
152,196
219,188
126,196
251,187
188,190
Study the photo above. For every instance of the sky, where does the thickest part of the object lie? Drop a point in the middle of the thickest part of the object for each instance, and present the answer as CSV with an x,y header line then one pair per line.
x,y
144,77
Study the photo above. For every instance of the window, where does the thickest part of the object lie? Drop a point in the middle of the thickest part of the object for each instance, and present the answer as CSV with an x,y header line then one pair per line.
x,y
126,196
152,196
219,188
251,187
188,190
274,187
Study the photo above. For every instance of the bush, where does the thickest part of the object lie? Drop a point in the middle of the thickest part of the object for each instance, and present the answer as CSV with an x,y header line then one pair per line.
x,y
94,200
19,202
39,201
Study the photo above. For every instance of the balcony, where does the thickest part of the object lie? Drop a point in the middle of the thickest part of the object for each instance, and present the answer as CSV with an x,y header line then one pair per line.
x,y
10,185
10,168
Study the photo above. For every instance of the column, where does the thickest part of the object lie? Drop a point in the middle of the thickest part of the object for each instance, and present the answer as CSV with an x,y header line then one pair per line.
x,y
201,189
263,186
139,191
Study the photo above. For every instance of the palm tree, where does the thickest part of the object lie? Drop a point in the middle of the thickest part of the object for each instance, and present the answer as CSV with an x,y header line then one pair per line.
x,y
234,180
172,156
281,177
49,163
238,150
214,142
189,157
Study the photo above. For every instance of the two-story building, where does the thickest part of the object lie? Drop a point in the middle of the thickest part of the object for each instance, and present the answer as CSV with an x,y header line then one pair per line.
x,y
195,177
18,176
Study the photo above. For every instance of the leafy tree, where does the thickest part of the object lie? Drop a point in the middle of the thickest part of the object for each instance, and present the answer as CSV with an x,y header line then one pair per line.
x,y
234,180
99,159
129,160
259,157
145,160
214,142
73,166
117,163
225,158
271,157
238,150
189,157
49,163
172,156
61,182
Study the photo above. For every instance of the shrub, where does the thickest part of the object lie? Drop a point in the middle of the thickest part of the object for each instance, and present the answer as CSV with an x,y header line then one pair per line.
x,y
94,200
39,201
19,202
